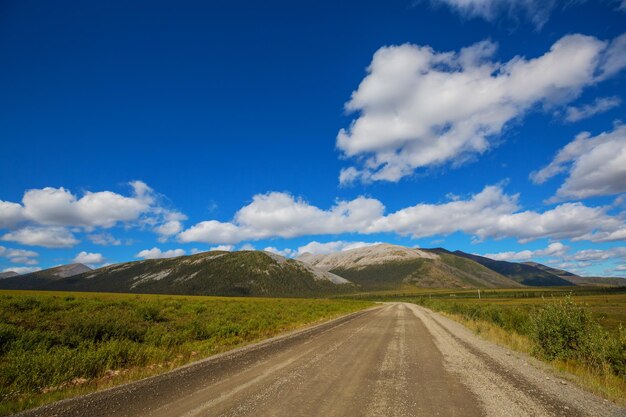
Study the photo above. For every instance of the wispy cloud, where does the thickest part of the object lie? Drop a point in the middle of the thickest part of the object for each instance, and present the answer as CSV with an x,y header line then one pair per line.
x,y
600,105
560,256
19,256
536,11
554,249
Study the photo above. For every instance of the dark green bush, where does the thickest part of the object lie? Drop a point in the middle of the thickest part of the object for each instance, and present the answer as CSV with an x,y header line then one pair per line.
x,y
616,352
151,312
8,334
98,328
565,330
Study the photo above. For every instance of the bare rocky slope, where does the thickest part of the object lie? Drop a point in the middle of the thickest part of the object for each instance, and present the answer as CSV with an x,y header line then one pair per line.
x,y
253,273
386,266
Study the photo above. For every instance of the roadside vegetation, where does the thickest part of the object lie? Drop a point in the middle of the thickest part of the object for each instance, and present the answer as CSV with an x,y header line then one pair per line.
x,y
582,333
54,345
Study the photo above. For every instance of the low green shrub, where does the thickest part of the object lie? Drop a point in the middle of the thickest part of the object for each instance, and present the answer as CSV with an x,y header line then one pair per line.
x,y
616,352
565,330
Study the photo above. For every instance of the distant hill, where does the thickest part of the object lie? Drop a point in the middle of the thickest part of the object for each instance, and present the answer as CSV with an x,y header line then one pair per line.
x,y
253,273
599,281
520,272
578,280
385,266
8,274
554,271
39,279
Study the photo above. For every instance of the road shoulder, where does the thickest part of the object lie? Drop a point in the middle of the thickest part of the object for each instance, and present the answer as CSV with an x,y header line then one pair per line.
x,y
505,381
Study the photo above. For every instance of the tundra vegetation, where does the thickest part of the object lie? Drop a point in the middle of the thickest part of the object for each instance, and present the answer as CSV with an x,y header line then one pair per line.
x,y
54,345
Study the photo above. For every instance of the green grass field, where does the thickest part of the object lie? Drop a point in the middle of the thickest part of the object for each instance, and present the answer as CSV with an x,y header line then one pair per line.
x,y
58,344
608,305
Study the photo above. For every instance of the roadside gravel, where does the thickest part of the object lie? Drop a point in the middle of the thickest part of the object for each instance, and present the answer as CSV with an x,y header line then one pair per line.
x,y
508,383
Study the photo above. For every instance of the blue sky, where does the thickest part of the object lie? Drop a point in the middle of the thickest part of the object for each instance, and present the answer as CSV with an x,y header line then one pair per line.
x,y
147,129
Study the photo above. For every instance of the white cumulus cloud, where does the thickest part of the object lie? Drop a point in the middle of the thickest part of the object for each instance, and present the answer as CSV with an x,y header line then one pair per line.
x,y
172,224
594,165
89,258
282,215
169,228
490,213
282,252
156,253
48,210
317,248
58,207
418,107
10,214
48,237
225,248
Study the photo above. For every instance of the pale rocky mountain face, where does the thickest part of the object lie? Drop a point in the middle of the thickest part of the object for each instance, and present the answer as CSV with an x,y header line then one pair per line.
x,y
366,256
318,273
385,267
70,270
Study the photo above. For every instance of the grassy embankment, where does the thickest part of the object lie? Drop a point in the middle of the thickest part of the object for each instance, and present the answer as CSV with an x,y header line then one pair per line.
x,y
579,332
55,345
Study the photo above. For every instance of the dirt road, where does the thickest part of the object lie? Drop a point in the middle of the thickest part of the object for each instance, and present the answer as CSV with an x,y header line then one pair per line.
x,y
395,360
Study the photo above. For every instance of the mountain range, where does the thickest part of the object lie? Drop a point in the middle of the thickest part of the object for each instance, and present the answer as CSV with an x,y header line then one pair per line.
x,y
39,279
242,273
384,266
520,272
260,273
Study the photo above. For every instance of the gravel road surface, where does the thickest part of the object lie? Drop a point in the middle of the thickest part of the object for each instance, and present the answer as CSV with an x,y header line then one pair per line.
x,y
394,360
